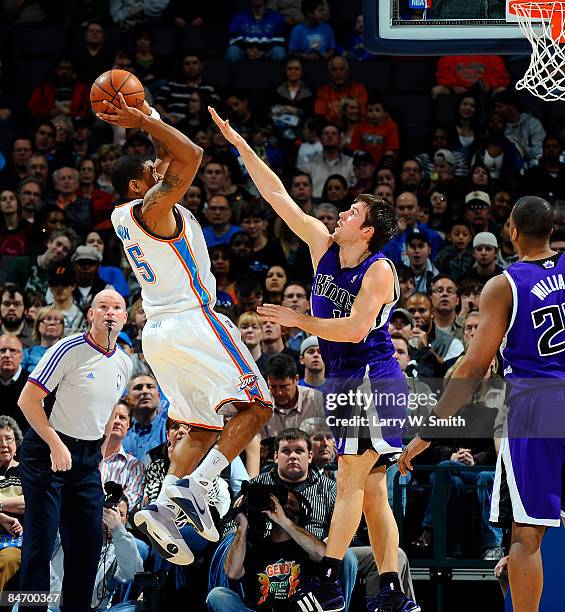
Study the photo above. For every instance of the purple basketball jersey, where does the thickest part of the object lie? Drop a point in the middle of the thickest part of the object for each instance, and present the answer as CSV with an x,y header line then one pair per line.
x,y
534,346
333,293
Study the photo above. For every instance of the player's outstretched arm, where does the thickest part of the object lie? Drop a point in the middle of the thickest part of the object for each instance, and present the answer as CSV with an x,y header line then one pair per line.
x,y
314,233
184,156
374,293
495,307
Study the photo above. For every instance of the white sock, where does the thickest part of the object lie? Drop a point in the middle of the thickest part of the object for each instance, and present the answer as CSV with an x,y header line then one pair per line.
x,y
167,481
212,466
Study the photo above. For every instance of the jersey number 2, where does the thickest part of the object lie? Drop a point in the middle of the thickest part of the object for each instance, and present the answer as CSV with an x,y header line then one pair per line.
x,y
555,314
136,254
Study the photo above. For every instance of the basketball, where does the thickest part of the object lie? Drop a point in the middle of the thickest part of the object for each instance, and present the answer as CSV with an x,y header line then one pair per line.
x,y
109,84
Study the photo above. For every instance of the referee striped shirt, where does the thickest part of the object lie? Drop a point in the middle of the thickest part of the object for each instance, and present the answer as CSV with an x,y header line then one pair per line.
x,y
85,381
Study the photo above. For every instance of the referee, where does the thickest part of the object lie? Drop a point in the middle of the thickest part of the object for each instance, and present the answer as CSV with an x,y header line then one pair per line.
x,y
68,400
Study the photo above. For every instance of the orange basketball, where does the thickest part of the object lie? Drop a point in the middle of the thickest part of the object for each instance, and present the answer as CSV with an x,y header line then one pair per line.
x,y
107,86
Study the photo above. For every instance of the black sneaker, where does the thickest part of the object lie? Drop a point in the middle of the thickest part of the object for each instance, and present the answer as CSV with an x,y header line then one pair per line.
x,y
391,601
325,596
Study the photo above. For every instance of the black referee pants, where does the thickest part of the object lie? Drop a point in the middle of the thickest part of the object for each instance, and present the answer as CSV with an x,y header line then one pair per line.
x,y
70,501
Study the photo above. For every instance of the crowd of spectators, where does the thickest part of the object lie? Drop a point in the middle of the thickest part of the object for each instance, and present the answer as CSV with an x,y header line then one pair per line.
x,y
329,142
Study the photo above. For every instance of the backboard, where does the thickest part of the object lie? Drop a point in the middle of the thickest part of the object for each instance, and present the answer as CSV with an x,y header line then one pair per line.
x,y
442,27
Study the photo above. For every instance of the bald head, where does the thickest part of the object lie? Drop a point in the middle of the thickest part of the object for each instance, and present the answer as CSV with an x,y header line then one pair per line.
x,y
107,315
109,294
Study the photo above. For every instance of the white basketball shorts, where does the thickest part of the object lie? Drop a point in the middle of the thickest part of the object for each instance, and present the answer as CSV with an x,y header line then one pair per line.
x,y
202,365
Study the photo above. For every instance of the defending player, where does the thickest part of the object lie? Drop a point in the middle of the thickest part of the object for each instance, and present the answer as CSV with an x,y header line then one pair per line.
x,y
524,310
354,291
196,354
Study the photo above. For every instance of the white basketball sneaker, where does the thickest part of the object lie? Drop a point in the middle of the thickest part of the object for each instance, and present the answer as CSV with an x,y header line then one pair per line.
x,y
190,495
159,522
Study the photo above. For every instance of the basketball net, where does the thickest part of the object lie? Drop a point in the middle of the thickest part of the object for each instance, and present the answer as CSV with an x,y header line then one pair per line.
x,y
543,23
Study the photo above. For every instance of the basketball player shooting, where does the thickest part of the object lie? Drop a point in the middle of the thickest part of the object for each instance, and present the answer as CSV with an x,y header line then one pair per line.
x,y
354,291
196,354
522,310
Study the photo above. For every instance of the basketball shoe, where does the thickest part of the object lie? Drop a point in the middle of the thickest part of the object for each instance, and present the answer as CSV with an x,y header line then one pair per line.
x,y
191,496
160,523
388,600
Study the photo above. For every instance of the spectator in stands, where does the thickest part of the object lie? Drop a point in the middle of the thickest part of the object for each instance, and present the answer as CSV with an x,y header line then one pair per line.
x,y
547,179
507,253
458,73
222,269
101,202
330,161
470,290
354,47
16,168
327,214
250,326
440,141
94,57
501,205
62,283
385,192
456,258
301,191
13,504
273,342
275,282
44,137
13,307
440,211
314,368
256,33
292,403
311,144
296,296
445,302
30,194
485,252
217,211
117,465
107,155
313,38
364,172
148,427
248,293
33,272
336,192
328,97
411,176
266,253
525,131
406,282
38,168
12,376
323,446
477,211
14,229
435,350
119,560
63,95
378,135
467,124
349,119
49,218
418,251
48,328
213,177
77,209
292,12
151,69
194,199
86,262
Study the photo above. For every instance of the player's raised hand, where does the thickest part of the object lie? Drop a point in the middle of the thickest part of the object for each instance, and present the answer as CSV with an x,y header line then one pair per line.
x,y
229,133
278,314
124,116
416,446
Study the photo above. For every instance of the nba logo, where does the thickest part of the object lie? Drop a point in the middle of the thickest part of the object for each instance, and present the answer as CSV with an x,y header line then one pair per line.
x,y
119,382
247,381
419,4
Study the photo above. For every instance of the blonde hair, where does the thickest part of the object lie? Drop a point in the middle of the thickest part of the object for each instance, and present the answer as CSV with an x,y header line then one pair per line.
x,y
41,315
250,318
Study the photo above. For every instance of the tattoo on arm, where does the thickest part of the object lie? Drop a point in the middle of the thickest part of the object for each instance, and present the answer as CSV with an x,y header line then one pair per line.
x,y
160,190
161,150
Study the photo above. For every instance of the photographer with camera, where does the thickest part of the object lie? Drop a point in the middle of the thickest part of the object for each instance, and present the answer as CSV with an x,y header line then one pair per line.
x,y
260,524
119,557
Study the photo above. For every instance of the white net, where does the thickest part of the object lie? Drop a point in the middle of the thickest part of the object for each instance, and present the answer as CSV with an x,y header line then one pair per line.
x,y
543,23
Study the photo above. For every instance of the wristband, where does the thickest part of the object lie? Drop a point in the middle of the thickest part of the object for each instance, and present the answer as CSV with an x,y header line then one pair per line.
x,y
154,114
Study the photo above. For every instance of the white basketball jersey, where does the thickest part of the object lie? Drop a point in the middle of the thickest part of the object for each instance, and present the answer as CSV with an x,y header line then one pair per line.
x,y
174,274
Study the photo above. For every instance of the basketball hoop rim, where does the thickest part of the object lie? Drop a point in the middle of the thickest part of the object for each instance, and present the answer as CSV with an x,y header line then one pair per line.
x,y
537,10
